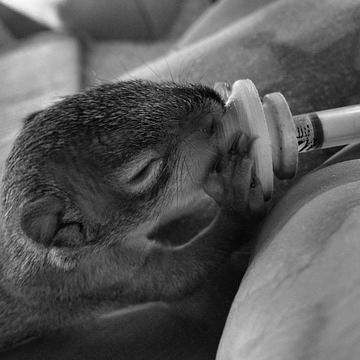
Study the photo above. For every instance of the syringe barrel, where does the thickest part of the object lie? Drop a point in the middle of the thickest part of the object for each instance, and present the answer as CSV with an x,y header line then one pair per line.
x,y
328,128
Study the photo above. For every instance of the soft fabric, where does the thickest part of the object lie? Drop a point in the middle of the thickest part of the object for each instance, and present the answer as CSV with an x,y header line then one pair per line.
x,y
300,296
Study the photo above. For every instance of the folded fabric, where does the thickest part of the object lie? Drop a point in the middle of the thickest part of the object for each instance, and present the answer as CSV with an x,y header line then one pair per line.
x,y
300,295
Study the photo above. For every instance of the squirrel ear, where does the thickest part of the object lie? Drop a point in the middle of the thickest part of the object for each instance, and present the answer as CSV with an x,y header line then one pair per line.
x,y
41,219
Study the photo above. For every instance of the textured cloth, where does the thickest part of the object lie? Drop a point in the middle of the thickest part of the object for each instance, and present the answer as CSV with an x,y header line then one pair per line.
x,y
300,295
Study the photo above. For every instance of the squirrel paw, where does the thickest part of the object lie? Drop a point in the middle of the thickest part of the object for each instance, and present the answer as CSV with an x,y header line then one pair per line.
x,y
232,183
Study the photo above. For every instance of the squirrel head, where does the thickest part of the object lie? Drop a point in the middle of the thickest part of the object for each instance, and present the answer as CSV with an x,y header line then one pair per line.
x,y
93,168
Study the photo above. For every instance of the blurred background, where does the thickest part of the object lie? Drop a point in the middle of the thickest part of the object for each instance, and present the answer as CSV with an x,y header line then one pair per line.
x,y
52,48
115,33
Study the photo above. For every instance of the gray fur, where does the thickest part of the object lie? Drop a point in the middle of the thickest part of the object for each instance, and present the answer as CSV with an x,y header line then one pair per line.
x,y
69,223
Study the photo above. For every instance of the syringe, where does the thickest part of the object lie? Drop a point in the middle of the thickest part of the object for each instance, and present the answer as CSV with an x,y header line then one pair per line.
x,y
280,135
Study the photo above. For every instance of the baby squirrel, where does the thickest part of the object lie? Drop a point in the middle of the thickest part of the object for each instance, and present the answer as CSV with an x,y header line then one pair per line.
x,y
90,177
